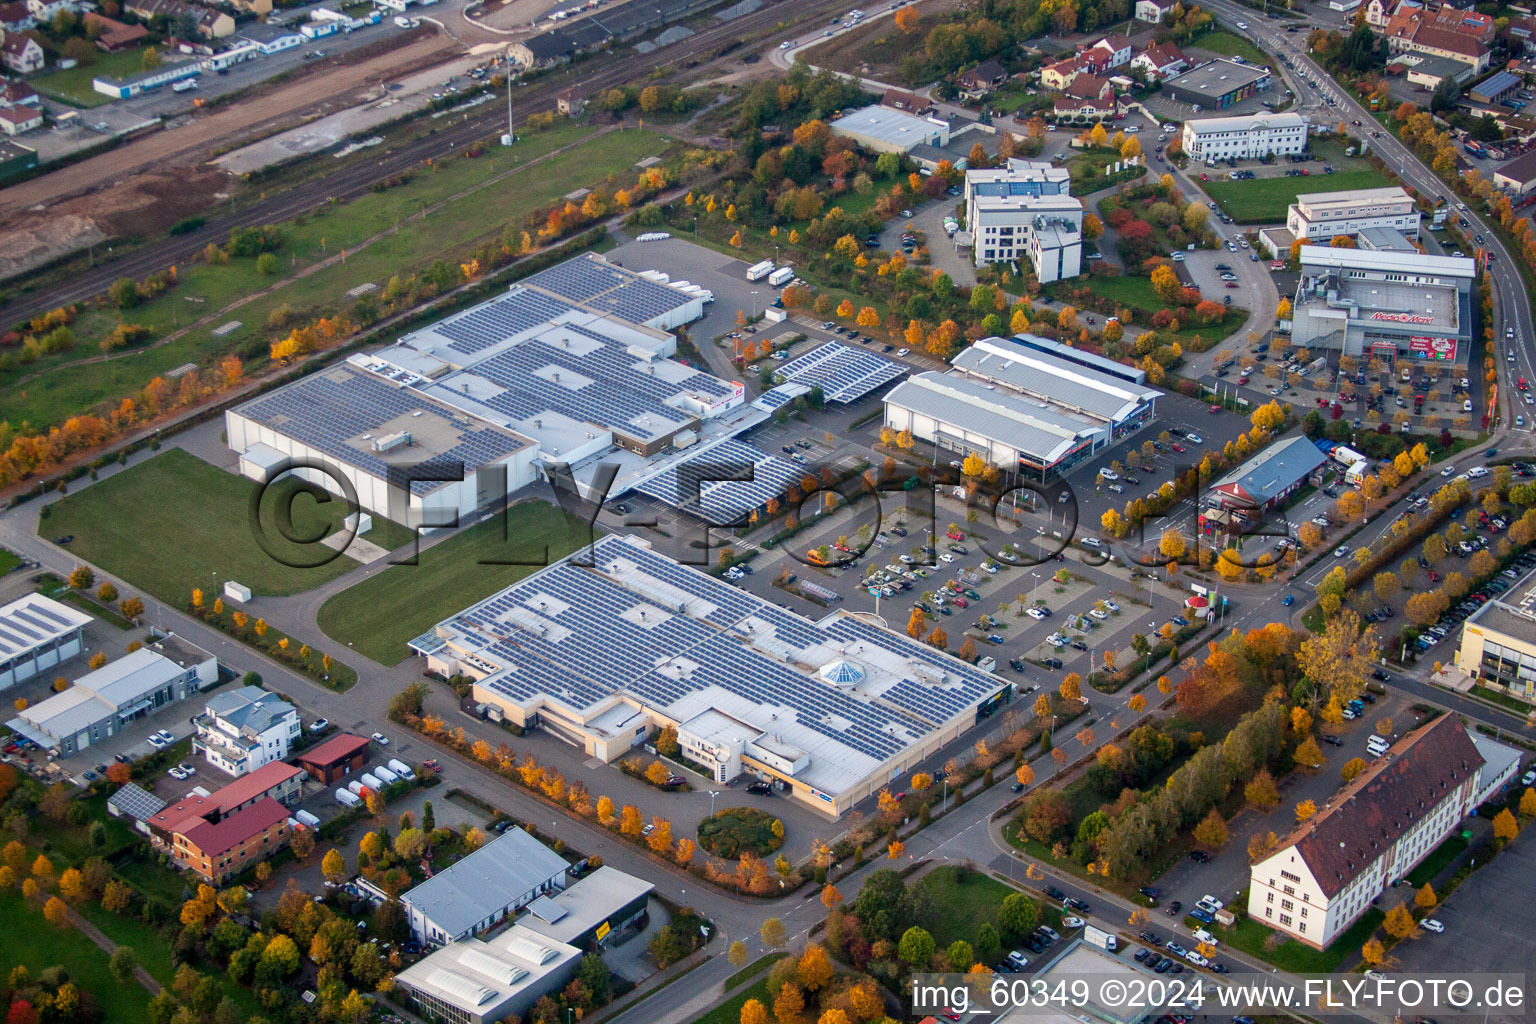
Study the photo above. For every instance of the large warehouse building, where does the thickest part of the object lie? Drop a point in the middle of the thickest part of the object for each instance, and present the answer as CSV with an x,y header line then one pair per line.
x,y
1384,304
885,130
602,654
37,633
1218,83
570,363
1020,408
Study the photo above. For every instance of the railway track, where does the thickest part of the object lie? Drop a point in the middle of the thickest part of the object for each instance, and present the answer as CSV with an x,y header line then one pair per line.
x,y
603,72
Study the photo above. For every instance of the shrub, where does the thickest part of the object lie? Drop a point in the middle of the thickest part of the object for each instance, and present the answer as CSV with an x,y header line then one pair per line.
x,y
737,830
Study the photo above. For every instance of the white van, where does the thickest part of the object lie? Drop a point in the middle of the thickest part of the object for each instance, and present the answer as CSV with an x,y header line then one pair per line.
x,y
1092,542
1201,935
1376,746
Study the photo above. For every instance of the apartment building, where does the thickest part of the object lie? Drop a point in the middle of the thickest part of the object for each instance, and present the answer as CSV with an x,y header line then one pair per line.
x,y
1245,137
244,729
1325,873
1325,215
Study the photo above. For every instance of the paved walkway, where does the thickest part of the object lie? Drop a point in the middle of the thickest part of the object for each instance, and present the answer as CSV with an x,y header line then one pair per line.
x,y
99,937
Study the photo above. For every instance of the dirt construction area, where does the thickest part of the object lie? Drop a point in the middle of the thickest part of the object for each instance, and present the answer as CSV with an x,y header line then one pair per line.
x,y
145,185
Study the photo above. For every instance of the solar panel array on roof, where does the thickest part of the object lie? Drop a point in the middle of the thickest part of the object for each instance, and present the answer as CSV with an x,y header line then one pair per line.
x,y
491,323
692,484
332,409
34,620
604,383
639,623
844,374
138,804
594,282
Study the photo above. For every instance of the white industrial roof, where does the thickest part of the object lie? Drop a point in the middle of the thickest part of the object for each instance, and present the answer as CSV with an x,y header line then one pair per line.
x,y
114,687
1053,379
890,125
585,904
1392,262
34,621
1029,426
479,977
467,892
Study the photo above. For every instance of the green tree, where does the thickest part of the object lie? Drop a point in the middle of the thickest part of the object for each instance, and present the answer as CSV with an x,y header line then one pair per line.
x,y
916,946
1017,915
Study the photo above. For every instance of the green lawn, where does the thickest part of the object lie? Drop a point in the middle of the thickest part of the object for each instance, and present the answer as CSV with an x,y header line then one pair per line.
x,y
8,561
459,227
1437,861
175,522
1228,45
1263,200
382,613
966,906
38,945
1250,936
73,85
729,1012
752,970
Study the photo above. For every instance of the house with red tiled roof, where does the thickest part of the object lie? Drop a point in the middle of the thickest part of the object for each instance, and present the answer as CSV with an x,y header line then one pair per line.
x,y
222,834
1161,59
18,94
20,53
1467,23
911,102
14,17
1443,33
16,120
1324,874
1090,87
981,79
336,758
114,36
1059,75
1107,53
1070,108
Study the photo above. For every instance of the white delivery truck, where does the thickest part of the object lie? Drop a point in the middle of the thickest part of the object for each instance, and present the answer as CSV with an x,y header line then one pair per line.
x,y
372,782
306,818
782,276
356,787
383,774
347,799
401,769
1100,938
758,271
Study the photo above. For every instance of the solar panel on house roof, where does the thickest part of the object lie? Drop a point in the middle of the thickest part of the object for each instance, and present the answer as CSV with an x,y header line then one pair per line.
x,y
137,803
844,374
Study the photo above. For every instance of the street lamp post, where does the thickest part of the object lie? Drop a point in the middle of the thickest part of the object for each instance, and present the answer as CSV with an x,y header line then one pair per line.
x,y
712,794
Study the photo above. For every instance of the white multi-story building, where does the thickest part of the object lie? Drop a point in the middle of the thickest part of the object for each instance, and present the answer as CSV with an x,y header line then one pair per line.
x,y
243,729
1153,11
1325,215
1247,137
1022,211
1326,872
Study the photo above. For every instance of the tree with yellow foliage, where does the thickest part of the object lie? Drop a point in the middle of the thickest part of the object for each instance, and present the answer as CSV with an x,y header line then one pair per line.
x,y
1305,810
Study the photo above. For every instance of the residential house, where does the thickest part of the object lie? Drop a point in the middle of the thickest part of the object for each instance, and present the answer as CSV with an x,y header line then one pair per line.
x,y
254,6
1522,34
16,120
1068,108
114,36
1106,54
1468,23
217,846
213,23
148,9
981,79
21,54
1091,87
1153,11
18,94
14,17
910,102
1327,871
1379,12
1411,32
1161,59
1059,75
241,730
44,10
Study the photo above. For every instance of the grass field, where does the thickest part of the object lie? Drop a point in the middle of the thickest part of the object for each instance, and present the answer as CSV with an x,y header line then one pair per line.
x,y
1438,860
1226,44
879,50
175,522
73,85
1250,936
8,561
456,228
967,905
1263,200
382,613
39,945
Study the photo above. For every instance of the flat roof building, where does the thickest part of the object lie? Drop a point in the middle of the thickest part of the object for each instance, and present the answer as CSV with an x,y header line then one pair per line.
x,y
1384,239
1218,83
1322,216
594,908
885,130
36,634
1022,211
1025,410
1498,642
1384,304
476,893
475,982
1246,137
103,701
567,364
1518,177
603,649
